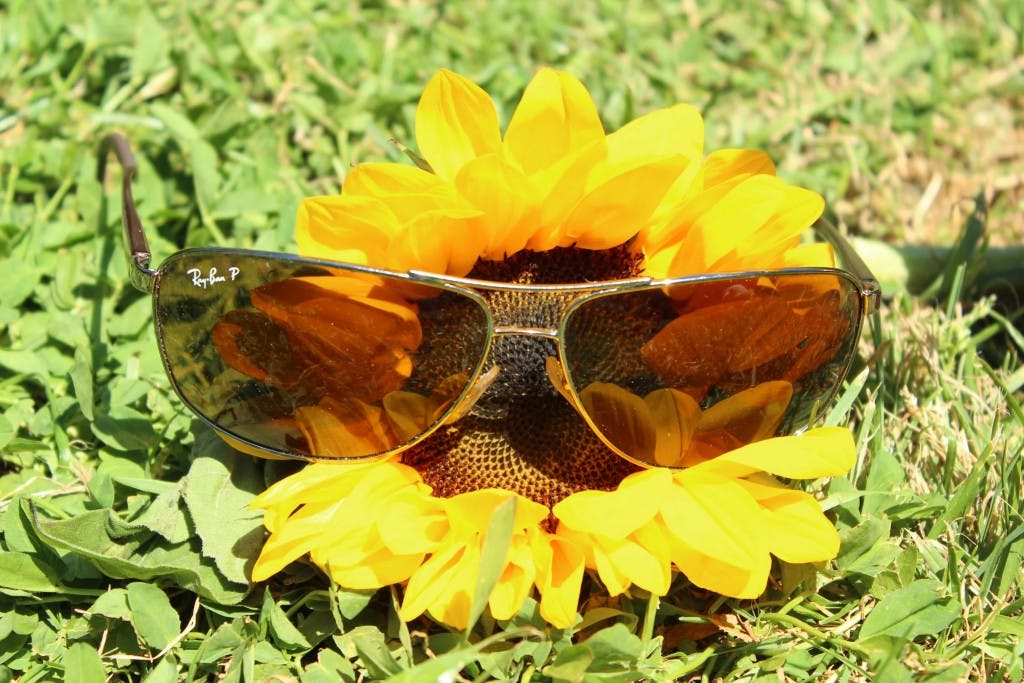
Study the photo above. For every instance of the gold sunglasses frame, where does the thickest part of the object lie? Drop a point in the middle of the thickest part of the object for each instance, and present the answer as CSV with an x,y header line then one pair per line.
x,y
148,280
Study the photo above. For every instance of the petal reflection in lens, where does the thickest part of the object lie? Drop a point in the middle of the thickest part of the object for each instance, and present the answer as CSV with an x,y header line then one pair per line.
x,y
719,364
315,361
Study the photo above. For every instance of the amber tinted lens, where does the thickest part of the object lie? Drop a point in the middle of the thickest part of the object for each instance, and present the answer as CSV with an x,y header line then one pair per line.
x,y
675,376
311,361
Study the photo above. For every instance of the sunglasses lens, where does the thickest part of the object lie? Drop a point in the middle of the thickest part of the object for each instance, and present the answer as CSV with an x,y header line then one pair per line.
x,y
675,376
312,361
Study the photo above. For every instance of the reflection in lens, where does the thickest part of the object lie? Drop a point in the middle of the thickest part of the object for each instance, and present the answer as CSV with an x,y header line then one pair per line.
x,y
314,362
720,364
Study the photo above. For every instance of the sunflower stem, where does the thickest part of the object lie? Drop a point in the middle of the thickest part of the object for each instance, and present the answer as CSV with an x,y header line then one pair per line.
x,y
648,631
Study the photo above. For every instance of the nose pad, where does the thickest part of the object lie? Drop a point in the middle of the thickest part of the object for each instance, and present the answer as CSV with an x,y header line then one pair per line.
x,y
556,375
479,388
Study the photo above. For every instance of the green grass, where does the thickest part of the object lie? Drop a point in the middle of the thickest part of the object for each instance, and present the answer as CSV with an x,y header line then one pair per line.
x,y
902,114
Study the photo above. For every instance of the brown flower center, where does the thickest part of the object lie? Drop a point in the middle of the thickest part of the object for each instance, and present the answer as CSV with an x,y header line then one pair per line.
x,y
522,435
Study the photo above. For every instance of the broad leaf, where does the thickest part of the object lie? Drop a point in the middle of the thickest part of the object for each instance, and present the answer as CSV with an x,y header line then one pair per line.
x,y
919,609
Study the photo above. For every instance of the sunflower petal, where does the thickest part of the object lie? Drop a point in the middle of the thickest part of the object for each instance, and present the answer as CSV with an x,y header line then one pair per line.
x,y
616,208
294,539
711,573
674,130
506,200
560,564
796,529
821,452
439,586
380,569
352,229
617,513
559,189
455,122
715,515
724,164
555,117
515,581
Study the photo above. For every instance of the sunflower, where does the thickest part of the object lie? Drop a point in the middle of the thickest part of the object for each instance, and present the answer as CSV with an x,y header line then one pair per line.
x,y
553,200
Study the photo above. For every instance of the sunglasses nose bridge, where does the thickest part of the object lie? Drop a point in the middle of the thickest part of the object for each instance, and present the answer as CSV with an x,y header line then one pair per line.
x,y
521,331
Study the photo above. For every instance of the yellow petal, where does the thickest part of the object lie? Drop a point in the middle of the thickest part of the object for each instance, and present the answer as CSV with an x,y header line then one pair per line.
x,y
471,512
292,541
559,190
319,482
797,211
376,179
796,529
821,452
353,545
715,515
712,574
516,580
616,513
724,164
437,242
677,130
412,523
555,117
727,223
613,575
560,565
617,208
816,254
506,199
635,564
455,122
673,232
351,229
383,568
443,585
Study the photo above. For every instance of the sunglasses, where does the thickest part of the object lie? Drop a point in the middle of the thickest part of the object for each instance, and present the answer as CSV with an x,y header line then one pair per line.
x,y
321,360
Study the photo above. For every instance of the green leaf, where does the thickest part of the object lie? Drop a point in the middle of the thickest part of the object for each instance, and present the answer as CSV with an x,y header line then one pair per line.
x,y
285,635
6,432
217,491
19,280
886,474
176,123
112,604
125,429
25,572
166,671
164,516
611,654
351,602
492,557
205,176
81,379
919,609
82,664
122,552
156,622
866,548
373,652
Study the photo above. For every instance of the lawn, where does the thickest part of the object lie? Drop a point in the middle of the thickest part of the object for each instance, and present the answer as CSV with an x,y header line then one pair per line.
x,y
117,510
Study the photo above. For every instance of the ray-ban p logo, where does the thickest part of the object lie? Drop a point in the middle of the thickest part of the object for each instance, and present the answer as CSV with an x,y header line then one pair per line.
x,y
212,277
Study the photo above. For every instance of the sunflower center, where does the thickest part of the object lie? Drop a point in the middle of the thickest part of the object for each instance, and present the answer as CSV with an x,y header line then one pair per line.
x,y
522,435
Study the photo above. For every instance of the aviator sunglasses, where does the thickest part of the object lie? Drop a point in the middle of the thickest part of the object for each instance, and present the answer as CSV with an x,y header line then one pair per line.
x,y
321,360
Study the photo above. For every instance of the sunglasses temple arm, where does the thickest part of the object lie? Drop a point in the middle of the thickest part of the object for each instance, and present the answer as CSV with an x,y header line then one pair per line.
x,y
139,255
852,260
